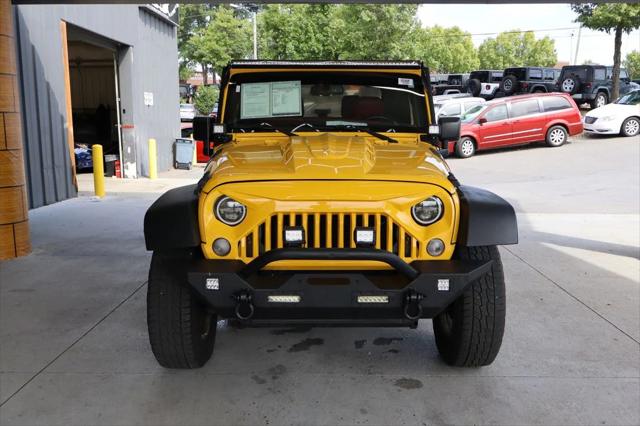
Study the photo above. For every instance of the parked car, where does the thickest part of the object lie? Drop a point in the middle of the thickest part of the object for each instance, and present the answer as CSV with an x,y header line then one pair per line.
x,y
591,83
455,83
455,106
620,117
523,80
345,214
187,112
518,120
484,83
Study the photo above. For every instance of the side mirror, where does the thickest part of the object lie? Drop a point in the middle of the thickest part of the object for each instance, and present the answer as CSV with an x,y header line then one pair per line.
x,y
202,132
482,120
449,128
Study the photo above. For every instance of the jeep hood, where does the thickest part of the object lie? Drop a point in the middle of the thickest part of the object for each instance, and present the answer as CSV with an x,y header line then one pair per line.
x,y
327,156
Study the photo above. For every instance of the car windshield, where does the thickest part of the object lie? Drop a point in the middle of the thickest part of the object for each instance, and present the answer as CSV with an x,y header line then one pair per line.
x,y
318,101
631,98
472,113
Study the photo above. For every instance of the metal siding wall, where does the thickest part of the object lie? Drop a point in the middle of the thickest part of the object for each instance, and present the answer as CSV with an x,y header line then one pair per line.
x,y
156,72
42,82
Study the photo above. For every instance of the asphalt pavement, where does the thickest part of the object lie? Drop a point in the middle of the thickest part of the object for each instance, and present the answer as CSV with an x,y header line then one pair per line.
x,y
74,347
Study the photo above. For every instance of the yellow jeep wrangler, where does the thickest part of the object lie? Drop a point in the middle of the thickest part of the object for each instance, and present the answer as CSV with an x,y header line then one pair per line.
x,y
327,201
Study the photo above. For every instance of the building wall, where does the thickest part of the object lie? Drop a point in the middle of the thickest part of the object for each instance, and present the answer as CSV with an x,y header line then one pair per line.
x,y
148,62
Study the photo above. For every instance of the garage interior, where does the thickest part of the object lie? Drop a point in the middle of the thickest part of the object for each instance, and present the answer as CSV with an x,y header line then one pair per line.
x,y
94,101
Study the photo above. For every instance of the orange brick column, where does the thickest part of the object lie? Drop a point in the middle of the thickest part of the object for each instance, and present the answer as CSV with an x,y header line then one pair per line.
x,y
14,225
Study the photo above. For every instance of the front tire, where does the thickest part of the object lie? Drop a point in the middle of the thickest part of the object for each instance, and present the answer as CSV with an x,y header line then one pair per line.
x,y
465,147
469,332
556,136
601,100
630,127
182,330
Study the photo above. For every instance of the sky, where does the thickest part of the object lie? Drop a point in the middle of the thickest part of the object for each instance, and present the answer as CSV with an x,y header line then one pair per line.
x,y
545,18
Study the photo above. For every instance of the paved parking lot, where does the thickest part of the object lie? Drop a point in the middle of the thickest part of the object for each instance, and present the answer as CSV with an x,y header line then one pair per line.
x,y
74,348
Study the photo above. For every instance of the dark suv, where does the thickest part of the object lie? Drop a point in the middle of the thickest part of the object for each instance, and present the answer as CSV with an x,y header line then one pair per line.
x,y
453,83
529,80
591,83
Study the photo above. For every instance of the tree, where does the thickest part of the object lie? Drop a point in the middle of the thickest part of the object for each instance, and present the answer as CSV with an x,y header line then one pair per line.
x,y
205,99
225,38
619,18
193,21
632,64
517,49
297,31
446,50
375,31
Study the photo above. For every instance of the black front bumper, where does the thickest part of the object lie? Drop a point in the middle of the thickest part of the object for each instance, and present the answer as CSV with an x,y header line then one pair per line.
x,y
421,289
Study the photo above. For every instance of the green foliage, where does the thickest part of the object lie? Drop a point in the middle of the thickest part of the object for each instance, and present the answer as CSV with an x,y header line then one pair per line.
x,y
446,50
517,49
205,99
185,72
608,16
375,31
297,32
632,64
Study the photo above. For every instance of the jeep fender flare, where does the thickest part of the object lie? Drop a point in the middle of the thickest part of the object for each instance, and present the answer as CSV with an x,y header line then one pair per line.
x,y
172,220
603,89
485,219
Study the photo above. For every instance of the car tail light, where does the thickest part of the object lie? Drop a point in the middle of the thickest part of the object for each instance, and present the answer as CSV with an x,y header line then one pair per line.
x,y
525,85
587,85
487,87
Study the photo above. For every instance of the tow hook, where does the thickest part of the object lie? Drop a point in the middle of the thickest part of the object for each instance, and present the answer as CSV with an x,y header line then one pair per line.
x,y
412,306
244,307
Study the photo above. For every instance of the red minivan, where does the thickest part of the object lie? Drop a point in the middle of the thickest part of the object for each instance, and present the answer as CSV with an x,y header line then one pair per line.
x,y
518,120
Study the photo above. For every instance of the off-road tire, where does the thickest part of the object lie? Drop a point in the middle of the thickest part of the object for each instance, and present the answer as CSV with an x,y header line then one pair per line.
x,y
630,127
465,147
469,332
510,85
601,100
182,330
474,86
556,136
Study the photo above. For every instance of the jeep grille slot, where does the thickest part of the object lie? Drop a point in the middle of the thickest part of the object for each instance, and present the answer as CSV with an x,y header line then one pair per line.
x,y
329,230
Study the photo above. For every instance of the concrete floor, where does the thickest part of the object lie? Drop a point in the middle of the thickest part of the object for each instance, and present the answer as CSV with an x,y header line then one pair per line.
x,y
74,348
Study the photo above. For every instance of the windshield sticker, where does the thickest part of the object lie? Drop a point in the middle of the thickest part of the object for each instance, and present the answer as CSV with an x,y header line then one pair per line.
x,y
255,100
405,82
273,99
286,98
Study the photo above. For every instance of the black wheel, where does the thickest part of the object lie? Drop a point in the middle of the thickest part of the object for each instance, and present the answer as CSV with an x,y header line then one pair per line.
x,y
474,86
601,100
556,136
630,127
182,330
510,85
469,332
465,147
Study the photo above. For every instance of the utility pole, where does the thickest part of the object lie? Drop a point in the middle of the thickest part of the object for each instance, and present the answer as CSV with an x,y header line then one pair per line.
x,y
255,32
575,60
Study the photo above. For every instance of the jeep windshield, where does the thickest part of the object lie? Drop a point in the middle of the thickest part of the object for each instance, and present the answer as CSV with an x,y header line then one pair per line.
x,y
325,101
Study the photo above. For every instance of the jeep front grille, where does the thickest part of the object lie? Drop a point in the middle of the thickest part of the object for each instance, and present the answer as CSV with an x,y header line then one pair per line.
x,y
329,230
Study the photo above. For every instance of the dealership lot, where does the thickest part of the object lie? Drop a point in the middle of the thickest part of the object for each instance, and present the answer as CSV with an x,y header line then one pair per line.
x,y
75,349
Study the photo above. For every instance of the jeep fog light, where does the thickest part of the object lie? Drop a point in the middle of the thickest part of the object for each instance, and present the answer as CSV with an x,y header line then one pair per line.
x,y
435,247
294,236
229,211
428,211
221,246
365,237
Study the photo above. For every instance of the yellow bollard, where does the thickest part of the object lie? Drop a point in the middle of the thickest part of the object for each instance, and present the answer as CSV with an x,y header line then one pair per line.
x,y
153,165
98,170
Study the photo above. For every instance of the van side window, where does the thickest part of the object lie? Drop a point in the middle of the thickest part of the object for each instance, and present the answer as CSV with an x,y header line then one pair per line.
x,y
555,103
499,112
528,107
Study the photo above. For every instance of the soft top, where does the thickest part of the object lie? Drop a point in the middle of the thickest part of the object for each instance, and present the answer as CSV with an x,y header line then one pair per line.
x,y
325,64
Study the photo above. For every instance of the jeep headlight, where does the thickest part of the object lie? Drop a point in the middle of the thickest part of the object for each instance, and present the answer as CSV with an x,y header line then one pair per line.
x,y
428,211
230,211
